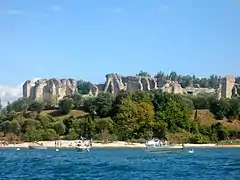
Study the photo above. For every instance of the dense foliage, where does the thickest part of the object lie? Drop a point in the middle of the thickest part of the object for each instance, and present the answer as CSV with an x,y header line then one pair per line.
x,y
126,116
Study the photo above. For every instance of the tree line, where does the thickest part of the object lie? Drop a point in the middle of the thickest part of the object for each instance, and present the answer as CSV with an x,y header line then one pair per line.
x,y
126,116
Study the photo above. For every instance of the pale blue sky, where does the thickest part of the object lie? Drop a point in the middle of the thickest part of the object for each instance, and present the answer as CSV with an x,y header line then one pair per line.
x,y
86,39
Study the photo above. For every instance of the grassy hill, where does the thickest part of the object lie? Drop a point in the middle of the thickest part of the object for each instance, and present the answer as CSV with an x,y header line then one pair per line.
x,y
207,118
57,114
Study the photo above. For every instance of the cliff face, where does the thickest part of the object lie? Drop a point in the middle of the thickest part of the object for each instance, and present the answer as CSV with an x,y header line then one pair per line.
x,y
115,83
52,90
49,90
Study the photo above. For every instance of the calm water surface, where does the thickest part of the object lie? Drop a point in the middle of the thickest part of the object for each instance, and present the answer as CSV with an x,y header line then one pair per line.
x,y
119,164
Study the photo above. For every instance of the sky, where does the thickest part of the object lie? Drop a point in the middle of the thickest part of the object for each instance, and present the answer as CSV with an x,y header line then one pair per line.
x,y
88,39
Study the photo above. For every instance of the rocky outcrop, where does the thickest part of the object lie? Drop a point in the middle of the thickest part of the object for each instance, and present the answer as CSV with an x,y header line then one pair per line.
x,y
115,83
49,90
52,90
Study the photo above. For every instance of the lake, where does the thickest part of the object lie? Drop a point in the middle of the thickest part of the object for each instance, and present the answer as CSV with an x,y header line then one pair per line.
x,y
119,164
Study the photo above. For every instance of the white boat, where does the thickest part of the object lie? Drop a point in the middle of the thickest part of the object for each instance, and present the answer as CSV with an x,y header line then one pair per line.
x,y
82,147
156,145
37,146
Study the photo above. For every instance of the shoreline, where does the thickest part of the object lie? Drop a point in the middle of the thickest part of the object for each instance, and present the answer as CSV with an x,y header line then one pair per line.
x,y
117,144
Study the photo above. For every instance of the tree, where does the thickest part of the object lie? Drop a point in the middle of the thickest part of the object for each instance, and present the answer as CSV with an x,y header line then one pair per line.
x,y
234,109
19,105
220,130
6,127
83,86
89,105
141,96
220,108
36,106
50,135
171,109
78,100
133,117
104,127
142,73
159,129
59,128
72,134
15,127
104,104
66,105
68,122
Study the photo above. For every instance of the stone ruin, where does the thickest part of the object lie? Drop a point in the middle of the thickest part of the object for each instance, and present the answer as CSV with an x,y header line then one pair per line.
x,y
52,90
49,90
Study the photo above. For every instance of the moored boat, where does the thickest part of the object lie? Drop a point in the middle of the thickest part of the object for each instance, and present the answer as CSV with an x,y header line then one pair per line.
x,y
37,146
156,145
83,146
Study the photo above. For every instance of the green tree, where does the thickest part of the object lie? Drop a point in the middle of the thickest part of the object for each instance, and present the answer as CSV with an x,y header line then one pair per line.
x,y
141,96
6,127
171,109
220,130
72,134
142,73
68,122
59,128
83,86
36,106
220,108
234,109
103,104
133,117
50,135
104,127
159,129
19,105
15,127
78,101
89,105
66,105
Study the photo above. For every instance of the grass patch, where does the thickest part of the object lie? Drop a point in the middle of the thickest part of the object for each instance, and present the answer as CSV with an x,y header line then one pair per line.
x,y
58,114
205,117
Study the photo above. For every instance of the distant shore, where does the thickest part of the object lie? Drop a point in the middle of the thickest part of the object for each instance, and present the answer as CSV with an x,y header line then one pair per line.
x,y
116,144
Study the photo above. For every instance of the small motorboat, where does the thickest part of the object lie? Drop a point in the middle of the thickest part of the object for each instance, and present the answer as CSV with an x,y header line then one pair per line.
x,y
37,146
156,145
83,147
191,151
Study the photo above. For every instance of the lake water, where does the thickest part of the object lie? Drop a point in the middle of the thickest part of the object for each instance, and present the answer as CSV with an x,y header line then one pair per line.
x,y
119,164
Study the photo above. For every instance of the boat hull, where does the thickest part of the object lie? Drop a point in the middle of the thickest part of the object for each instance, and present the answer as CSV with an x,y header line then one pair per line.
x,y
162,149
82,149
37,147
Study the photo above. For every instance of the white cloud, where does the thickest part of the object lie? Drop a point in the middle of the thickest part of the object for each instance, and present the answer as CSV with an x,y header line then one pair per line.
x,y
56,8
11,93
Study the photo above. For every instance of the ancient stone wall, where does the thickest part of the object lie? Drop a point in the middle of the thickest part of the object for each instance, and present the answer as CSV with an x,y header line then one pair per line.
x,y
228,84
52,90
49,90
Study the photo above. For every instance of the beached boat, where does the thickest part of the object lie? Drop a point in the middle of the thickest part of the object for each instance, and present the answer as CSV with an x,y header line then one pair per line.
x,y
156,145
37,146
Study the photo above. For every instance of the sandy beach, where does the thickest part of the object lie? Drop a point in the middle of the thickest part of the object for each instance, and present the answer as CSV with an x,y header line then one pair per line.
x,y
72,143
116,144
